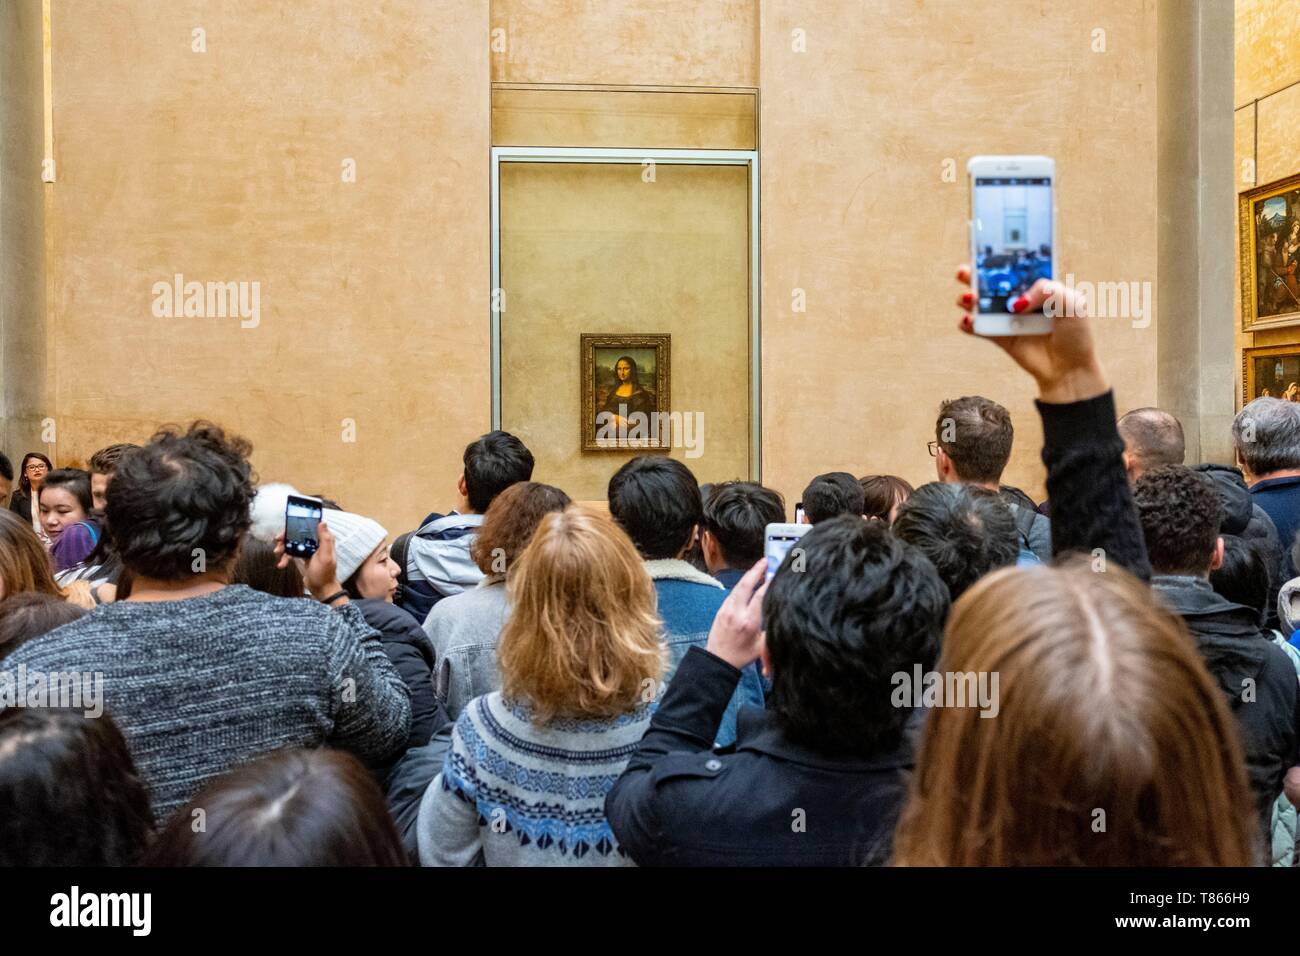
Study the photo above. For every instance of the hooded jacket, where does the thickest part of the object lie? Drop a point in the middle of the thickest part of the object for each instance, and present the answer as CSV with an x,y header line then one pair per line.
x,y
1257,678
1247,520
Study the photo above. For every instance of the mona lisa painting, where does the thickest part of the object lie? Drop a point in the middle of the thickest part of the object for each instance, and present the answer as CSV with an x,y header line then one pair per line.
x,y
625,382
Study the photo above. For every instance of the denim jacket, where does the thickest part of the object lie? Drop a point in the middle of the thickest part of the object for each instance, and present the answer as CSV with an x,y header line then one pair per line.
x,y
688,600
464,629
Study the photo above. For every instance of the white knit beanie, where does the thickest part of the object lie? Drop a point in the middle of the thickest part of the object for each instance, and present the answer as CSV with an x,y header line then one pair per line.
x,y
355,539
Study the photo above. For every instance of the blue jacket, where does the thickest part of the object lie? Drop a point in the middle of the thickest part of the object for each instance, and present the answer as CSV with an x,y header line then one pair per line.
x,y
438,563
688,600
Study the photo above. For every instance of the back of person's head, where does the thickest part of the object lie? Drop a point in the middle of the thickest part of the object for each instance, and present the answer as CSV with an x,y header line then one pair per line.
x,y
1153,437
1266,436
69,791
882,495
31,614
493,463
75,482
657,502
24,563
6,467
1180,512
1111,744
1243,576
831,495
965,531
737,514
181,495
976,434
104,461
510,522
849,607
291,808
257,566
582,639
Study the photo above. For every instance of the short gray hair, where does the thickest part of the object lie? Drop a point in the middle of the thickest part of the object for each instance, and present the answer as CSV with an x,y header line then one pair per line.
x,y
1266,435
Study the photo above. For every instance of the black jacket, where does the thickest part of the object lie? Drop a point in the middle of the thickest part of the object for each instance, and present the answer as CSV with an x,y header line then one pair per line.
x,y
1247,520
763,800
1246,664
20,503
411,654
1092,504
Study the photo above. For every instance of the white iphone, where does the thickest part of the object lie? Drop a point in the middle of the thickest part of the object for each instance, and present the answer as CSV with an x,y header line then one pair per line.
x,y
1013,239
779,539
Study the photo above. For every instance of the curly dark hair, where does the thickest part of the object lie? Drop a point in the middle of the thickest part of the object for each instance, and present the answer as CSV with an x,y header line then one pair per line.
x,y
965,531
69,791
850,606
181,496
510,522
1180,511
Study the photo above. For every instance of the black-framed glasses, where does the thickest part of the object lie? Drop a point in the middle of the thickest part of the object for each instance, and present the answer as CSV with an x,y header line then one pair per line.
x,y
932,447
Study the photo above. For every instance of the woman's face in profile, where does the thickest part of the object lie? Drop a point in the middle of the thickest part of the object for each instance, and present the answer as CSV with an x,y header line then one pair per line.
x,y
623,370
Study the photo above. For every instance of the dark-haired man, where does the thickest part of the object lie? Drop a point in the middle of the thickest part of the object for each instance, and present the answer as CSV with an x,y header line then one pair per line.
x,y
733,533
201,675
102,465
1180,513
438,562
656,500
973,437
966,531
831,495
820,777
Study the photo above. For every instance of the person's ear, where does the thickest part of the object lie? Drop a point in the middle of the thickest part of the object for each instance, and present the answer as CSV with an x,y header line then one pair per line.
x,y
461,488
1132,467
766,660
942,464
1216,562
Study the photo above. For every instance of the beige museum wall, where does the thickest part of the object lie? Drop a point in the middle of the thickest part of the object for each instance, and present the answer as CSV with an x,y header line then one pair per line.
x,y
855,134
229,165
1267,103
225,165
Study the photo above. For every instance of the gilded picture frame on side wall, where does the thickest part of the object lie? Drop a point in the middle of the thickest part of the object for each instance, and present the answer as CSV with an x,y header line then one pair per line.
x,y
626,386
1272,370
1269,248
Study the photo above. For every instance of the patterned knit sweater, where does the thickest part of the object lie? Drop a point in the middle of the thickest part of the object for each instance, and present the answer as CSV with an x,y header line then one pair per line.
x,y
516,793
204,684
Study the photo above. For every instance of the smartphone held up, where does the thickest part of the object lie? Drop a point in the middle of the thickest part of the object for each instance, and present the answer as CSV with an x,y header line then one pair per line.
x,y
1013,240
778,540
301,526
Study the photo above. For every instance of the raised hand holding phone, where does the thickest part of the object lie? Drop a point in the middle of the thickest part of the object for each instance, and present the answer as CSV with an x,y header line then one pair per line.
x,y
1064,361
737,632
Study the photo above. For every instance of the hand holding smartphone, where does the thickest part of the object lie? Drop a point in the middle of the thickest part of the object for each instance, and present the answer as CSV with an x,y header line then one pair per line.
x,y
301,521
778,540
1013,241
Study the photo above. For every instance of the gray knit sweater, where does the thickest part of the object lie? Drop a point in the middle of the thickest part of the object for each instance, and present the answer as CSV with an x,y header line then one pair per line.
x,y
204,684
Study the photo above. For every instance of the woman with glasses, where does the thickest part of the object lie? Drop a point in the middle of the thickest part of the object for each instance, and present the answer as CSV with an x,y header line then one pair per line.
x,y
26,499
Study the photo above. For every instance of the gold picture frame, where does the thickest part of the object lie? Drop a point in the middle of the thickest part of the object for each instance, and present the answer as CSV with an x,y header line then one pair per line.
x,y
1268,220
1256,360
647,391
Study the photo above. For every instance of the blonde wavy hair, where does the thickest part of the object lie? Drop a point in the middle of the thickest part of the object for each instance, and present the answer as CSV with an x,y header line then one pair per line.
x,y
583,636
1112,744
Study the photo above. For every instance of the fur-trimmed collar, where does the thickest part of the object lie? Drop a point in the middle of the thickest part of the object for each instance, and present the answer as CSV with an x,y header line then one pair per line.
x,y
674,569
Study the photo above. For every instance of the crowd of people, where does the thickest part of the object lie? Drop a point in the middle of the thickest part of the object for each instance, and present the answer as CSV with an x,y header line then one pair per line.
x,y
529,680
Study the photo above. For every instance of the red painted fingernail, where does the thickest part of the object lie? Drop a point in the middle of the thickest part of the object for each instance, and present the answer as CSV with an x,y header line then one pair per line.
x,y
967,298
1020,304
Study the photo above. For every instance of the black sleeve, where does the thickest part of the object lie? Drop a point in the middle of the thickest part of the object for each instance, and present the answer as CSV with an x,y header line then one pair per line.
x,y
1092,505
411,654
686,722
